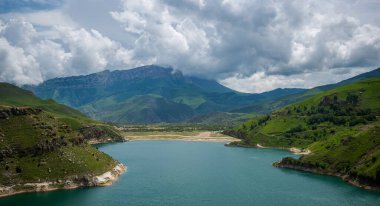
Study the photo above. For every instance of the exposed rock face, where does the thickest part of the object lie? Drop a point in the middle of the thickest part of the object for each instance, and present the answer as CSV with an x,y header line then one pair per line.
x,y
109,177
96,134
104,179
18,111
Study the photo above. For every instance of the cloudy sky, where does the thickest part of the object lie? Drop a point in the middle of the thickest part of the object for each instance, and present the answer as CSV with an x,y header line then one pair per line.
x,y
248,45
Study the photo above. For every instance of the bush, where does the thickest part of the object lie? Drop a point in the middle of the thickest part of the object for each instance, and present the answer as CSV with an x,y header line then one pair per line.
x,y
264,119
298,128
356,121
352,99
18,169
370,117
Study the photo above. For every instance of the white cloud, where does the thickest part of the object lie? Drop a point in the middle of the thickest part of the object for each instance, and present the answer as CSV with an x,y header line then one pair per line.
x,y
258,44
17,66
223,39
261,82
32,58
90,50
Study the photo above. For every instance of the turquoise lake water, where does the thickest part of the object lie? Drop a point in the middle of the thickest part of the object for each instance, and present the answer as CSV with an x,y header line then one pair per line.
x,y
203,173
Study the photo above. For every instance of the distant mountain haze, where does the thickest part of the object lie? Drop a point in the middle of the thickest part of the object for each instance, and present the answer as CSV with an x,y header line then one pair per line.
x,y
150,94
147,94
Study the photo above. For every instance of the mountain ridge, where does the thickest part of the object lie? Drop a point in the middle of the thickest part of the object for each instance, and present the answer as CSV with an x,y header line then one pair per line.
x,y
113,92
271,105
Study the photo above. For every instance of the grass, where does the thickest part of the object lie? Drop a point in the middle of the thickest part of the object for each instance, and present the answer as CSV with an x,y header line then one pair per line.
x,y
339,126
281,124
46,146
61,164
27,131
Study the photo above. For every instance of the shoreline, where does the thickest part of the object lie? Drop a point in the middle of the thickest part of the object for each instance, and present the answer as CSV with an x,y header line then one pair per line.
x,y
105,179
185,139
201,137
293,150
346,178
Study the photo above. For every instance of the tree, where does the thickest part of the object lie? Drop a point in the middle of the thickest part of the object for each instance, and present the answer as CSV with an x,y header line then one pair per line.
x,y
352,99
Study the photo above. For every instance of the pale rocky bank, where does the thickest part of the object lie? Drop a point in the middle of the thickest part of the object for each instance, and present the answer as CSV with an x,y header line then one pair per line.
x,y
104,179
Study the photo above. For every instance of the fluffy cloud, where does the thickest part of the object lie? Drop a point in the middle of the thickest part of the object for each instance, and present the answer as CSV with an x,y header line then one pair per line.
x,y
29,56
250,45
17,66
260,82
245,37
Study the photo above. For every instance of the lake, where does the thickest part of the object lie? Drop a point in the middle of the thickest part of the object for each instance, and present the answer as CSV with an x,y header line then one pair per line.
x,y
203,173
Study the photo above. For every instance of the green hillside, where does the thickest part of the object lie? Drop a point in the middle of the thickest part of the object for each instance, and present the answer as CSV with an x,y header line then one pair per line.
x,y
13,96
221,119
270,105
340,127
36,147
42,141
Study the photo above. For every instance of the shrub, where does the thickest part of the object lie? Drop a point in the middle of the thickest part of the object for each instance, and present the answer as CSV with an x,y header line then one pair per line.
x,y
18,169
298,128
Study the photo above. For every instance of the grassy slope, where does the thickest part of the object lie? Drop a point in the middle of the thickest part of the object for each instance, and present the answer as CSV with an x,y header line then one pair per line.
x,y
44,146
11,95
33,142
343,135
221,119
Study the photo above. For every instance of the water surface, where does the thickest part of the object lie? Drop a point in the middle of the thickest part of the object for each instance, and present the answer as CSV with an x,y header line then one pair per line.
x,y
203,173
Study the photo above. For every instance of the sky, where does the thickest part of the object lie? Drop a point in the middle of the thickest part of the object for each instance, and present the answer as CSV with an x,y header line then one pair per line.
x,y
247,45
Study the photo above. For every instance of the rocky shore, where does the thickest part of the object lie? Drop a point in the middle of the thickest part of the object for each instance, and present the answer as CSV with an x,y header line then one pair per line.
x,y
365,184
104,179
362,183
291,149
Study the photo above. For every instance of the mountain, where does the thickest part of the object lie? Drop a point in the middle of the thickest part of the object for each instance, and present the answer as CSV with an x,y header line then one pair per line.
x,y
43,145
270,105
148,94
340,127
282,92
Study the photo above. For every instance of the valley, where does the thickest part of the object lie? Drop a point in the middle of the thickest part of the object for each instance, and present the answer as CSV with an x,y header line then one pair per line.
x,y
189,103
47,145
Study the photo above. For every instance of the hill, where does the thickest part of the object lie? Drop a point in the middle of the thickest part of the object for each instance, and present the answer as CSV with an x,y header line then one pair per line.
x,y
40,151
267,106
148,94
13,96
221,119
339,126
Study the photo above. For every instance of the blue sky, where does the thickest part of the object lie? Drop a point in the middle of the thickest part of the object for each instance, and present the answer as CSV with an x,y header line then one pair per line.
x,y
249,45
7,6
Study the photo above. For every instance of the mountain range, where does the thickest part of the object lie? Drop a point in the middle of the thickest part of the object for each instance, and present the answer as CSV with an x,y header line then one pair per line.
x,y
148,94
153,94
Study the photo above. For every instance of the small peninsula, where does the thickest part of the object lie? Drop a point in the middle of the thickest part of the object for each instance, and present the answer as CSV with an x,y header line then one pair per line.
x,y
44,146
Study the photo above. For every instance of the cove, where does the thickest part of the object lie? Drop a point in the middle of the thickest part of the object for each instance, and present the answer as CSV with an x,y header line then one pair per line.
x,y
203,173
